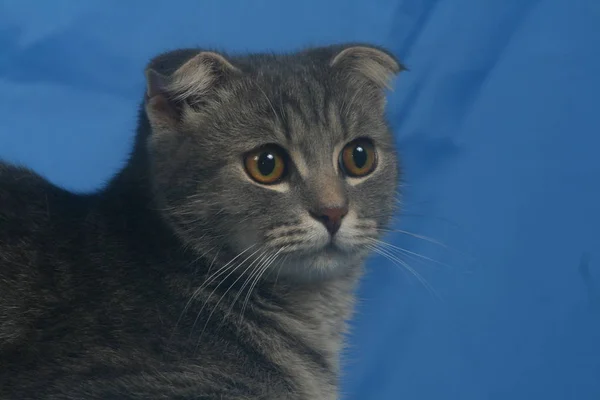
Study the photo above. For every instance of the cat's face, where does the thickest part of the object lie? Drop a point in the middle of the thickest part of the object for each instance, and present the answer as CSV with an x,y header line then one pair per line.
x,y
283,163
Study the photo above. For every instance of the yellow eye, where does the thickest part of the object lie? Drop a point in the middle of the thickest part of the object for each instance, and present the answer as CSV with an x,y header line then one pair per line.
x,y
266,165
358,158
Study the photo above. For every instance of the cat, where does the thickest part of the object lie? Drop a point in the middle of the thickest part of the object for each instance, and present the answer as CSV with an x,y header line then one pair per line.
x,y
221,261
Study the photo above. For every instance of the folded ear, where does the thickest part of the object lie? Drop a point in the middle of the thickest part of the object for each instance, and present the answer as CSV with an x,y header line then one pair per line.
x,y
189,85
374,64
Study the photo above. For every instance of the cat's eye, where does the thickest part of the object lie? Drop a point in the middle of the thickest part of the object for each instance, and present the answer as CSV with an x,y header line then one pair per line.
x,y
358,158
266,165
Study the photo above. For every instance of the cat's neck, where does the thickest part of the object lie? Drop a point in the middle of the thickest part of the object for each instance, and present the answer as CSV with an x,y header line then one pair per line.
x,y
318,312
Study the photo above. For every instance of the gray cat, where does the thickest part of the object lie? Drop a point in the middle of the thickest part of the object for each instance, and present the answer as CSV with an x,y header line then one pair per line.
x,y
221,262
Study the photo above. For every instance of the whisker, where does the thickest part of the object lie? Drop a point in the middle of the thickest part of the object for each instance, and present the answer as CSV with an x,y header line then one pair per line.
x,y
268,264
224,269
415,235
408,252
219,271
227,291
400,263
232,270
280,266
261,260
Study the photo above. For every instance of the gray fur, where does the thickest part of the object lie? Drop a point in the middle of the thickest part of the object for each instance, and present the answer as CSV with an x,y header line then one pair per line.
x,y
184,278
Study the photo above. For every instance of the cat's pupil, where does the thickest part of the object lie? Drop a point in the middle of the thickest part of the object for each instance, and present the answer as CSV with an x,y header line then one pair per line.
x,y
360,156
266,163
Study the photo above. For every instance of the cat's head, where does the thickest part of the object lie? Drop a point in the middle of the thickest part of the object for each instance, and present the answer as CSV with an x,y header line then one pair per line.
x,y
278,161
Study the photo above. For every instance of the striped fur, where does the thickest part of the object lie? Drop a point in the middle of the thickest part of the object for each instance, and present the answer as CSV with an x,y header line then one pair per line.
x,y
182,278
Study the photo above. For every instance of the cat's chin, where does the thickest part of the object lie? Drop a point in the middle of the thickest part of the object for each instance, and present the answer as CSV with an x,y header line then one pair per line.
x,y
329,262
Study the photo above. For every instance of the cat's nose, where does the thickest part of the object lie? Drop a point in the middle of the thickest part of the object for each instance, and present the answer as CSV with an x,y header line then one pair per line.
x,y
331,217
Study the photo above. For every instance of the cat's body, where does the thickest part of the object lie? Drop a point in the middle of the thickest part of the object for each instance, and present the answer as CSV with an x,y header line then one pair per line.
x,y
142,290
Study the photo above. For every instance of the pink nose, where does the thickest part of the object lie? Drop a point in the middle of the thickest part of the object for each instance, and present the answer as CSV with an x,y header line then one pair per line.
x,y
331,217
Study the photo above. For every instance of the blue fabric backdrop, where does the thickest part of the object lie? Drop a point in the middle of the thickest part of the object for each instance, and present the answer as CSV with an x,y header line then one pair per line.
x,y
498,122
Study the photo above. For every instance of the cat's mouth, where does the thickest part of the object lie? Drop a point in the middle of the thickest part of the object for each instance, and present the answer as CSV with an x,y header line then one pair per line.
x,y
331,247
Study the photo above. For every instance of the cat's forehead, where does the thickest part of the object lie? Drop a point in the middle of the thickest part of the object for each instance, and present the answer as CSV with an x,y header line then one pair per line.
x,y
309,111
294,102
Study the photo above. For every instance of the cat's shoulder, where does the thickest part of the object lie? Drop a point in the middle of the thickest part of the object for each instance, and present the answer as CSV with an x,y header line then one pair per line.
x,y
20,185
26,197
